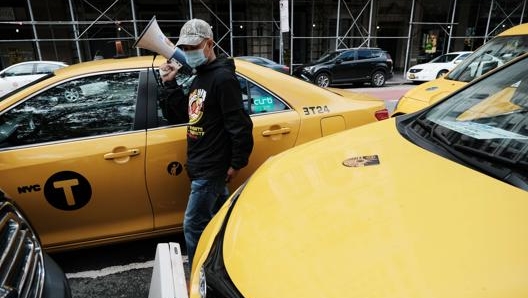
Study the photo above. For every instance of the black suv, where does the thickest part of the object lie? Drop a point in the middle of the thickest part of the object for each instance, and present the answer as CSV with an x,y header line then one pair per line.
x,y
26,270
355,65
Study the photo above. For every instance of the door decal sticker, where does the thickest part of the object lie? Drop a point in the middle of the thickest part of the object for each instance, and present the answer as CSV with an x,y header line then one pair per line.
x,y
67,190
174,168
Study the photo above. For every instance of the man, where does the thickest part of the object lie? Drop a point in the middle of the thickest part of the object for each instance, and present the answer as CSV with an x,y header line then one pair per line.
x,y
219,132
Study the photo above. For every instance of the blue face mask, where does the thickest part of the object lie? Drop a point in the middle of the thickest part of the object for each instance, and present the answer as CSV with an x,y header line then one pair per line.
x,y
195,58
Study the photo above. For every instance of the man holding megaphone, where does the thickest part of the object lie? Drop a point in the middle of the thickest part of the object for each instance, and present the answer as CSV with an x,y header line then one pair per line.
x,y
219,132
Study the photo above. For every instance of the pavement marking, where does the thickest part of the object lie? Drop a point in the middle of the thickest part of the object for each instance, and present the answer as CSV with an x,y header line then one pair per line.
x,y
110,270
115,269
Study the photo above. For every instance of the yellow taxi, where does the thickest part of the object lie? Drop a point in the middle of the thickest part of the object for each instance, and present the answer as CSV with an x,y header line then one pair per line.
x,y
430,204
91,156
495,53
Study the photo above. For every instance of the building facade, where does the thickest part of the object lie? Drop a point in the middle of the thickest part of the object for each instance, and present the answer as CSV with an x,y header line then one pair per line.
x,y
288,31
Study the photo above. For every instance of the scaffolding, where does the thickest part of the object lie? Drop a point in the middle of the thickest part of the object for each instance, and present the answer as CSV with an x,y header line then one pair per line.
x,y
257,31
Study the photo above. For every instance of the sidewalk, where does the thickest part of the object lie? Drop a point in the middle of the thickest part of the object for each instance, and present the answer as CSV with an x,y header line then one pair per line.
x,y
398,78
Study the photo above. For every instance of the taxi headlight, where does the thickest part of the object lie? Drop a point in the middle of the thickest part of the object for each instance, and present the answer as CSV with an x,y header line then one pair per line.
x,y
202,283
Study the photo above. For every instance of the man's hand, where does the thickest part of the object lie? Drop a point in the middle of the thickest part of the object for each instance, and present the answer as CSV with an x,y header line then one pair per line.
x,y
231,174
168,71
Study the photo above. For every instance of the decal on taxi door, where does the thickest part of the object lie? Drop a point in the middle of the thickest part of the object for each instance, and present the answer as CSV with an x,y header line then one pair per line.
x,y
315,110
174,168
67,190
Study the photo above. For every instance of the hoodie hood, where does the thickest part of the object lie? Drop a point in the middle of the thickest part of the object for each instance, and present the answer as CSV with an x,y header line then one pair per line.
x,y
221,61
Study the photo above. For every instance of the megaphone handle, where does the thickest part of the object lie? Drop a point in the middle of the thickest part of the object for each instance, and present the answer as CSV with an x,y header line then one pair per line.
x,y
170,68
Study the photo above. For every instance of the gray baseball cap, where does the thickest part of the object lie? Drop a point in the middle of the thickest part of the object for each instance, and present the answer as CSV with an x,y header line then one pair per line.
x,y
193,32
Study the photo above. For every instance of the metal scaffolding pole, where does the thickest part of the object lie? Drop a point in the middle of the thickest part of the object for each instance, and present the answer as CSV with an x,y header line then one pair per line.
x,y
522,12
231,27
291,36
337,23
312,32
75,31
281,40
370,22
488,23
133,10
451,27
37,43
409,35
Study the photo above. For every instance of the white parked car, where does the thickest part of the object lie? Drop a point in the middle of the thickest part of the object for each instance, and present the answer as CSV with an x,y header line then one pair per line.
x,y
18,75
436,68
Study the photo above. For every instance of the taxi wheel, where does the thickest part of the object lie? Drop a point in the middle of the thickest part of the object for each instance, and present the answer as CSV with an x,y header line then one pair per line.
x,y
72,94
378,79
441,73
322,80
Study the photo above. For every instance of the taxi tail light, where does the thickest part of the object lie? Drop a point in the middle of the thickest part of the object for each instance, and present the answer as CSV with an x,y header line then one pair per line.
x,y
382,114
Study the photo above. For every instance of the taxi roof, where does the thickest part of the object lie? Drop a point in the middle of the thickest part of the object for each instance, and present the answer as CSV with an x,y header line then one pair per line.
x,y
521,29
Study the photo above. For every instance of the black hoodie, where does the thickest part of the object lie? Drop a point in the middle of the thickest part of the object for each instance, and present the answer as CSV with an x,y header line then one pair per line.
x,y
219,133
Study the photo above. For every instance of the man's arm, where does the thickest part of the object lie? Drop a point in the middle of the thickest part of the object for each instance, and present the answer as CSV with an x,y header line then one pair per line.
x,y
172,99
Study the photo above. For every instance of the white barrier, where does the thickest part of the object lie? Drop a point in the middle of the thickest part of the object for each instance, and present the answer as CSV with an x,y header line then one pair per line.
x,y
168,275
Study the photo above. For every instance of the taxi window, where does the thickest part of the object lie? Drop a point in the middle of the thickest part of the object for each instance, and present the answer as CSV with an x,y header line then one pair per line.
x,y
495,53
84,107
257,100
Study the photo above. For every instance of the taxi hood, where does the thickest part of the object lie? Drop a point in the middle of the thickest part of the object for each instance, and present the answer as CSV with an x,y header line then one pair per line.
x,y
433,91
367,213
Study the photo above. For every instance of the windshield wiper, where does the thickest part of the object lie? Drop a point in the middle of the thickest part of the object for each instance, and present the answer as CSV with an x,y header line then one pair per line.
x,y
515,161
451,146
509,171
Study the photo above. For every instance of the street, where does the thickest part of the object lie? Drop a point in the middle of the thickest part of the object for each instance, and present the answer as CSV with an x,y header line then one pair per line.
x,y
390,93
121,270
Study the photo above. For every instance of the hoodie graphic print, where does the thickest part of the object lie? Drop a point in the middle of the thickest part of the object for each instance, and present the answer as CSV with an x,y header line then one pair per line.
x,y
196,104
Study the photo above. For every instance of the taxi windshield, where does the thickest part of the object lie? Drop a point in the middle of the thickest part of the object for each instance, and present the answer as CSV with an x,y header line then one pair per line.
x,y
491,55
485,125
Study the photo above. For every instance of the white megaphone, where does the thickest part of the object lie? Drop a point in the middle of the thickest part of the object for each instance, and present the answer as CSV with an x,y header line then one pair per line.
x,y
153,39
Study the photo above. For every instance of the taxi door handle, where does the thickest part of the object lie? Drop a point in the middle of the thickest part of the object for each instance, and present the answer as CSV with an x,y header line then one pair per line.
x,y
282,130
130,152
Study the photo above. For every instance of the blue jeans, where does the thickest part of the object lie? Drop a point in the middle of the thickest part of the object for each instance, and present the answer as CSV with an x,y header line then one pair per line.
x,y
205,199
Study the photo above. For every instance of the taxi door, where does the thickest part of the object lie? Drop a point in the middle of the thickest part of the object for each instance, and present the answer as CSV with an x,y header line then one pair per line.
x,y
74,158
167,181
275,129
275,126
